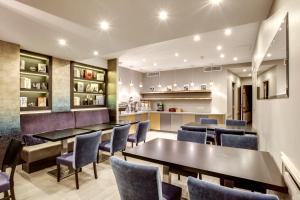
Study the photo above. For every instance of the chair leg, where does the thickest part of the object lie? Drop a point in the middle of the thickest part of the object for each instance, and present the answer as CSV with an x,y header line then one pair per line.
x,y
80,169
98,157
58,172
6,195
131,144
144,141
179,177
76,179
95,170
125,158
12,193
200,176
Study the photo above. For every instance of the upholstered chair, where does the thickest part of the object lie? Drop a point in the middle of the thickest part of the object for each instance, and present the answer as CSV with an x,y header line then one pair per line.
x,y
117,142
211,134
85,152
193,128
192,136
141,133
138,182
232,122
11,160
240,141
189,136
201,190
220,131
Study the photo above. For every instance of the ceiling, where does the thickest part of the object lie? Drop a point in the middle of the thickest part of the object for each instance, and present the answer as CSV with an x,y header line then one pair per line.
x,y
161,56
37,25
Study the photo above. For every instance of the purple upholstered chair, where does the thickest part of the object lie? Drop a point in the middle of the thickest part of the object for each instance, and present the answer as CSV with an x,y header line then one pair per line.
x,y
141,133
232,122
85,152
117,142
201,190
11,159
240,141
138,182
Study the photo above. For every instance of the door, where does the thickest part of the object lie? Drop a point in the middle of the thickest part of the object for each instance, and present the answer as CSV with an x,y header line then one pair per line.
x,y
239,103
233,100
247,103
266,89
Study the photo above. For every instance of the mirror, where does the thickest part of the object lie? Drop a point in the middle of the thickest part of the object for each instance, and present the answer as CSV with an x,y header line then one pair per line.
x,y
273,73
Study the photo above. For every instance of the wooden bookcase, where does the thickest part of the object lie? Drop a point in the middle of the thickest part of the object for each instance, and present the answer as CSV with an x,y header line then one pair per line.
x,y
88,86
35,81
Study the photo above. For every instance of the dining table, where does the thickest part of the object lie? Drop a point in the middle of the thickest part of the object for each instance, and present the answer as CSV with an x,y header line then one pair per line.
x,y
249,169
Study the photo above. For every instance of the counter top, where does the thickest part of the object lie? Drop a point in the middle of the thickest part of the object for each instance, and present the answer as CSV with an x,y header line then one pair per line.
x,y
167,112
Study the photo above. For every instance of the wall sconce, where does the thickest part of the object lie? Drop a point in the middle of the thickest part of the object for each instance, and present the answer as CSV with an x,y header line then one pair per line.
x,y
120,82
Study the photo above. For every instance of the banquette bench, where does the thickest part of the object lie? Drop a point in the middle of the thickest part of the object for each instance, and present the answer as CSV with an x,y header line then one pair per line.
x,y
38,154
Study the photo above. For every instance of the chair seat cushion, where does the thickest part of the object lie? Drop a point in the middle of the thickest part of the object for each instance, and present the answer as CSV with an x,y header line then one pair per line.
x,y
105,146
4,182
66,159
131,138
171,192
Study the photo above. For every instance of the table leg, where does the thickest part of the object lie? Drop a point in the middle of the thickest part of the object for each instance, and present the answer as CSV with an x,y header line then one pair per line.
x,y
166,174
64,147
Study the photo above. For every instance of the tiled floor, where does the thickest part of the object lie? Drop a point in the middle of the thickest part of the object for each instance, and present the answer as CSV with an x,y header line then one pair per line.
x,y
41,186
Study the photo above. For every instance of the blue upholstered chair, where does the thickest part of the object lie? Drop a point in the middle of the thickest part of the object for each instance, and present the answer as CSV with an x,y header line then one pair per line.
x,y
85,152
11,159
192,136
138,182
201,190
232,122
189,136
193,128
240,141
117,142
211,134
220,131
141,133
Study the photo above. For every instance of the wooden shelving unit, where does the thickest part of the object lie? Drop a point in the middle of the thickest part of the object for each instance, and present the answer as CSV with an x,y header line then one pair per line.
x,y
88,86
35,81
195,95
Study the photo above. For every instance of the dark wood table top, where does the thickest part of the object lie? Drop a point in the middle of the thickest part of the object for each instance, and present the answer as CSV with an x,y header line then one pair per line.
x,y
124,122
59,135
248,129
254,167
99,127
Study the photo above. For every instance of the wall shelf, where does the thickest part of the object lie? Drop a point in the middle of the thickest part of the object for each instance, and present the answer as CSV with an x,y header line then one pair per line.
x,y
88,86
177,92
35,73
174,98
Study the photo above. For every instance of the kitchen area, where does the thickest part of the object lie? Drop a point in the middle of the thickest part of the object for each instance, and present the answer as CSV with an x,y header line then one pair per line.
x,y
172,98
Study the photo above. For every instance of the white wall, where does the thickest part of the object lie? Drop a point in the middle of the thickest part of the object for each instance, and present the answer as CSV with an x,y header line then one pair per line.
x,y
277,121
198,77
125,91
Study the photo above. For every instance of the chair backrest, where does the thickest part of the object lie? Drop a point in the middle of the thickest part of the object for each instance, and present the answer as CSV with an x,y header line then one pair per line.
x,y
208,121
136,182
240,141
12,157
119,138
232,122
201,190
220,131
193,128
85,149
141,130
192,136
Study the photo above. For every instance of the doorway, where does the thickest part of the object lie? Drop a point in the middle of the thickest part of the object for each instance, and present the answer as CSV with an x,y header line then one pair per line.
x,y
233,100
266,89
247,103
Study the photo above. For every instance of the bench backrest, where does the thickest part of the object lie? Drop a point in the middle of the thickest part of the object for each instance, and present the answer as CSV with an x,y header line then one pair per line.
x,y
91,117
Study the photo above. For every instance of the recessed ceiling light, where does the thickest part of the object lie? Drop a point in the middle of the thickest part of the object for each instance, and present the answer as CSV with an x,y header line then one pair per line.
x,y
176,54
269,55
244,70
104,25
227,32
163,15
219,47
185,60
222,55
215,2
196,38
96,53
62,42
235,58
141,85
250,74
154,64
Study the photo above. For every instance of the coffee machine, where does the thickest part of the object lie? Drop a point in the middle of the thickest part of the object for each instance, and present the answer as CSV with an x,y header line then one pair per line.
x,y
160,107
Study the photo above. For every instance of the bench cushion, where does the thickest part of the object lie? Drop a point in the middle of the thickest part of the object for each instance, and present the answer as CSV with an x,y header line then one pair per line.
x,y
92,117
46,122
